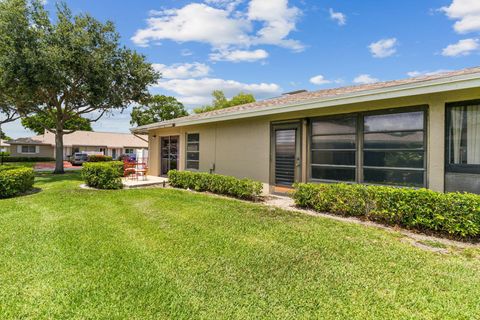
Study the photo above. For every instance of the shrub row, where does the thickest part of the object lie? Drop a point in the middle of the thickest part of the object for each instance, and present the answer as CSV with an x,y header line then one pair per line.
x,y
103,175
99,158
456,214
28,159
215,183
15,180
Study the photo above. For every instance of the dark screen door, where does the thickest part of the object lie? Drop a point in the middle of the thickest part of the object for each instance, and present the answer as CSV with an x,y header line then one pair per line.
x,y
285,156
169,154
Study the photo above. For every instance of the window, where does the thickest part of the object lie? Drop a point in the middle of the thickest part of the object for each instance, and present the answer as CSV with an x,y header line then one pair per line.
x,y
463,137
385,148
193,151
129,151
29,149
393,149
333,149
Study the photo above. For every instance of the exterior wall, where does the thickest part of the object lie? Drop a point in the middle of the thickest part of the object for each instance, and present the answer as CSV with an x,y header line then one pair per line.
x,y
44,151
5,149
241,148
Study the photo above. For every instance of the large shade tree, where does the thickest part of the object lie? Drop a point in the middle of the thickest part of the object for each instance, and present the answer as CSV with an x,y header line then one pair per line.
x,y
66,67
157,108
38,123
221,102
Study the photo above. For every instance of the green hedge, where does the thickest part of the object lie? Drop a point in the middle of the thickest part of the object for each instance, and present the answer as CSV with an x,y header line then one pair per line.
x,y
215,183
27,159
99,158
15,180
456,214
103,175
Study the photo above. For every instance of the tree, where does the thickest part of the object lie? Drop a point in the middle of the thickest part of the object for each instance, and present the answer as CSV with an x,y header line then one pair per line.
x,y
39,122
221,102
157,108
66,67
3,136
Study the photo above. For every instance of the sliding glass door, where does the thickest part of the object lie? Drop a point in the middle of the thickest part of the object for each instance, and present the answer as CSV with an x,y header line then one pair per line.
x,y
462,158
169,154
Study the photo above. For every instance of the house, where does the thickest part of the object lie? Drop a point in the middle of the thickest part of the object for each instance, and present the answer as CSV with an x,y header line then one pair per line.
x,y
109,143
4,146
420,132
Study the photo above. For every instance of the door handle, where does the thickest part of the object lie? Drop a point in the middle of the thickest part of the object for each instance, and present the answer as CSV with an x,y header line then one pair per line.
x,y
297,162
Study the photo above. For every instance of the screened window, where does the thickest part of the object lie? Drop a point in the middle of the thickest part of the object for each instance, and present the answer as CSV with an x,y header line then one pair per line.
x,y
393,149
463,136
333,149
193,151
129,151
28,149
391,152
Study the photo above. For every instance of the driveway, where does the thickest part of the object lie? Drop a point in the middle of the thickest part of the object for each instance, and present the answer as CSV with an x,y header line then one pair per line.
x,y
50,166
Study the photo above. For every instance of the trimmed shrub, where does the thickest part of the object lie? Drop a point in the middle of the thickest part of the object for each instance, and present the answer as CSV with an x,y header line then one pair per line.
x,y
99,158
215,183
456,214
27,159
15,180
103,175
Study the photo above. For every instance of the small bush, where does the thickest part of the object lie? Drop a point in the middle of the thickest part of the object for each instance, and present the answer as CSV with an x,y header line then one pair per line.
x,y
99,158
27,159
455,214
4,154
103,175
15,180
215,183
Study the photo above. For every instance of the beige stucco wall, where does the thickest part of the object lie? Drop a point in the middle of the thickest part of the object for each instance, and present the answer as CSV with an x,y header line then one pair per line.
x,y
45,151
241,148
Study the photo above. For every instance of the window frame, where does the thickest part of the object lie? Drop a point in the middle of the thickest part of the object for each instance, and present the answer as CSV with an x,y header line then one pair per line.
x,y
187,152
457,168
29,146
310,149
359,133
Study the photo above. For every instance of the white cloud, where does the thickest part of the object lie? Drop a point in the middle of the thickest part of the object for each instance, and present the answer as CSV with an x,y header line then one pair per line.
x,y
195,22
220,24
239,55
383,48
365,79
198,91
467,12
319,80
339,17
278,21
426,73
461,48
182,71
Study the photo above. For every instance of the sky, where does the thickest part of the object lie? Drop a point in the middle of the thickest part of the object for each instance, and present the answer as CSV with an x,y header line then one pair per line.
x,y
269,47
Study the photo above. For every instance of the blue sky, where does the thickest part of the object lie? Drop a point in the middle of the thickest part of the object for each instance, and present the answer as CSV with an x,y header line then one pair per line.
x,y
267,47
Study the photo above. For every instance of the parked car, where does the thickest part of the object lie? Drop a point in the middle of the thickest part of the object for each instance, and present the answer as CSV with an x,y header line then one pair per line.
x,y
79,158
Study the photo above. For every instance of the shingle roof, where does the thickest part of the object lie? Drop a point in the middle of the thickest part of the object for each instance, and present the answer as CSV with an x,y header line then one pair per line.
x,y
87,138
307,96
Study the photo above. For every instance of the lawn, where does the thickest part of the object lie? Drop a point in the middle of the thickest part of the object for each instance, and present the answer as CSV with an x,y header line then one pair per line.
x,y
19,164
66,252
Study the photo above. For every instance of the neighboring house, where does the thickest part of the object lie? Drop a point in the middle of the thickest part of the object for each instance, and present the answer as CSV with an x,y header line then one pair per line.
x,y
421,132
108,143
4,146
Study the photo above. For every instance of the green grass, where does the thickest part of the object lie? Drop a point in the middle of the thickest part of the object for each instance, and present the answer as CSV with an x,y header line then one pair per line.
x,y
19,164
68,253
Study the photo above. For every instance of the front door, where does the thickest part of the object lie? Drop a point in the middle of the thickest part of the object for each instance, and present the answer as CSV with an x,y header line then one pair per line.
x,y
169,154
286,154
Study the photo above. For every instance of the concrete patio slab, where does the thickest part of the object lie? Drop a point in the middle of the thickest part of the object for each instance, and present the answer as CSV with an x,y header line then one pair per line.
x,y
148,182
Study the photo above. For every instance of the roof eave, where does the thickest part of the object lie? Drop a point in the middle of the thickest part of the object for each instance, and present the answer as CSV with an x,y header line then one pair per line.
x,y
428,87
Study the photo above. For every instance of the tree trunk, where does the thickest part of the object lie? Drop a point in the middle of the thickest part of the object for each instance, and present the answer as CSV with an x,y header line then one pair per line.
x,y
59,152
